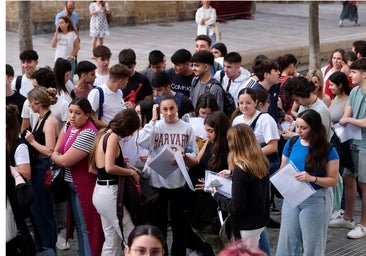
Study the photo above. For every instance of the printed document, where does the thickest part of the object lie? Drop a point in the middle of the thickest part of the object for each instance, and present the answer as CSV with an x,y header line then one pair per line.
x,y
222,185
292,190
163,164
347,132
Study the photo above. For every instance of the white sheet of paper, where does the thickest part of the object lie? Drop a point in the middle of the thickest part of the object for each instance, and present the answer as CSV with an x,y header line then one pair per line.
x,y
182,167
162,163
226,183
347,132
292,190
198,127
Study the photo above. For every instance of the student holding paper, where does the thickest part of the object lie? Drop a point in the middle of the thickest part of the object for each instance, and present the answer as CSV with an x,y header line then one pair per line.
x,y
179,136
355,113
303,229
213,157
249,168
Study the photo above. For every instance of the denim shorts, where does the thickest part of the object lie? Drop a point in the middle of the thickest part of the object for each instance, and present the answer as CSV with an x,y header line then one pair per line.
x,y
359,160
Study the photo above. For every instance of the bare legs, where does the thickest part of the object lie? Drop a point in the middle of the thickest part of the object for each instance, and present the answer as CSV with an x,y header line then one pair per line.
x,y
96,41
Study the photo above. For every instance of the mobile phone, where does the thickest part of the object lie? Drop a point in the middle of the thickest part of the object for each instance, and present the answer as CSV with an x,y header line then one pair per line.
x,y
59,29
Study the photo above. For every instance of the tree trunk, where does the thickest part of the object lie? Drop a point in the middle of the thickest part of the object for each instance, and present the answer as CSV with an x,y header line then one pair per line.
x,y
24,28
314,42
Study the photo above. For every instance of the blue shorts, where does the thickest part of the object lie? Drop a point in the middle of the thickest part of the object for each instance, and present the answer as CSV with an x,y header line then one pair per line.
x,y
359,160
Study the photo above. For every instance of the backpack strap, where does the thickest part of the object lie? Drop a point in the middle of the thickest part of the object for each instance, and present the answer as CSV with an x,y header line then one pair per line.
x,y
222,74
194,81
18,83
211,83
253,124
101,101
293,139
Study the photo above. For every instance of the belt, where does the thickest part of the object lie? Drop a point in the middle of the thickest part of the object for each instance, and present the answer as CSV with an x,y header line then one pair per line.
x,y
107,182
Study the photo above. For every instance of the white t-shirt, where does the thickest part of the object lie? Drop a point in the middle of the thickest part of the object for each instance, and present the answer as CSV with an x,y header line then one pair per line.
x,y
21,155
65,44
26,85
113,102
265,129
100,79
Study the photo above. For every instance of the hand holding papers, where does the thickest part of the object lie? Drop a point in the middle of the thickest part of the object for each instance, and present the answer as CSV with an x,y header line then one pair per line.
x,y
163,164
347,132
222,185
294,191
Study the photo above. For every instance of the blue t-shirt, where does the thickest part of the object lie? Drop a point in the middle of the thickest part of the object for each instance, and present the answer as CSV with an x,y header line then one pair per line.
x,y
298,158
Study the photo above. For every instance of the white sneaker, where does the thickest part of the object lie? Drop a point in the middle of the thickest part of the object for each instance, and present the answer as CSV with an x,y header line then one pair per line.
x,y
61,243
337,214
358,232
341,223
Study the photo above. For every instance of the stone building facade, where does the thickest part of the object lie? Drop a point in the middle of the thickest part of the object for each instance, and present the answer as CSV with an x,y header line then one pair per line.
x,y
124,13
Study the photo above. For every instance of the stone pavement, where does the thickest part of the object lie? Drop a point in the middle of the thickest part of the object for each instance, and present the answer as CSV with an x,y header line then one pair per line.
x,y
276,29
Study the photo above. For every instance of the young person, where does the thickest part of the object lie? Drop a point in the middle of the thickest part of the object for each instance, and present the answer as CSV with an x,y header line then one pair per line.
x,y
213,157
304,228
87,75
161,84
112,94
12,96
157,63
204,82
355,113
107,160
23,84
72,149
42,140
138,86
234,77
248,166
177,134
145,239
181,74
102,56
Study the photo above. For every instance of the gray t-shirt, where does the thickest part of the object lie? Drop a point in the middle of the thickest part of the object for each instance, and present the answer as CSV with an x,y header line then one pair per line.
x,y
198,89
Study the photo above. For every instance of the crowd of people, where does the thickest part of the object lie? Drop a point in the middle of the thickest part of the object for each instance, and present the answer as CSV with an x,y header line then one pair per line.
x,y
159,130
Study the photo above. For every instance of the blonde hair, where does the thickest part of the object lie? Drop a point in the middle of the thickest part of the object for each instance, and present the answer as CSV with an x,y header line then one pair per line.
x,y
319,75
42,95
245,151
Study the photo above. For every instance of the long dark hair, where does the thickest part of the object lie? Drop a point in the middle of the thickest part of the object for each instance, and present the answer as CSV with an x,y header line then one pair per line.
x,y
318,151
221,124
12,127
124,123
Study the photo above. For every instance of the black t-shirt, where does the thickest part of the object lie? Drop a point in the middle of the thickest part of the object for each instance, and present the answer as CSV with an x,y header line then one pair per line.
x,y
180,83
137,83
18,100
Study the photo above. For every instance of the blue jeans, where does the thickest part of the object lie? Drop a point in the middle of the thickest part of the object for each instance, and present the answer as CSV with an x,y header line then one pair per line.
x,y
305,226
82,231
43,208
264,244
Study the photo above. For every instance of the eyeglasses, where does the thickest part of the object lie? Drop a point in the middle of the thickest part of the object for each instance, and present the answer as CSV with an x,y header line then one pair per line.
x,y
141,251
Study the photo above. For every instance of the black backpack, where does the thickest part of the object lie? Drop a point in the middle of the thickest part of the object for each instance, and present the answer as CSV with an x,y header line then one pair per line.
x,y
229,102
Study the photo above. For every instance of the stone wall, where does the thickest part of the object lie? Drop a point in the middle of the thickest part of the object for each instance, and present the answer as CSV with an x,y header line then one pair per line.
x,y
124,13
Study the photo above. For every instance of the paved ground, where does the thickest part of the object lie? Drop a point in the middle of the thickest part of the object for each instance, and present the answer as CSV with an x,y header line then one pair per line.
x,y
275,27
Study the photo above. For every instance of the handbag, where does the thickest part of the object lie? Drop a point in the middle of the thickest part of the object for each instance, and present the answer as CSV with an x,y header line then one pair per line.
x,y
344,152
109,17
56,184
